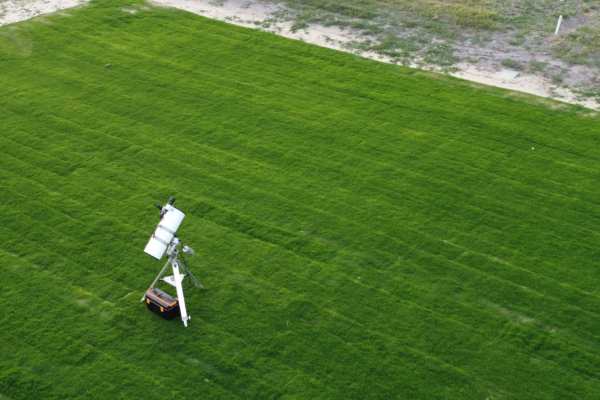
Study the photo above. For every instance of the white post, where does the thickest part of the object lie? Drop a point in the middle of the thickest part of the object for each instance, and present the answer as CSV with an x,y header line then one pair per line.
x,y
560,19
178,278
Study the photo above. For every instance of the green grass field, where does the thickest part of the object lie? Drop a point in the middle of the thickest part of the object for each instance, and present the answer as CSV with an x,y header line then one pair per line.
x,y
364,231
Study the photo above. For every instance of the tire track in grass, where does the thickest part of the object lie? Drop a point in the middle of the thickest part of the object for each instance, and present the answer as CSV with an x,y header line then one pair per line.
x,y
445,261
129,288
75,341
548,360
464,289
47,331
254,276
57,232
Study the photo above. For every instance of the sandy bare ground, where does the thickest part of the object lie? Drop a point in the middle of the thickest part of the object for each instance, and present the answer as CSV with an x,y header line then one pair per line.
x,y
12,11
259,15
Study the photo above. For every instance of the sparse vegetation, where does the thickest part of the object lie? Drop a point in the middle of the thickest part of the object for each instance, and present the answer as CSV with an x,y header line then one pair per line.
x,y
397,48
558,78
512,64
537,66
486,30
581,46
440,54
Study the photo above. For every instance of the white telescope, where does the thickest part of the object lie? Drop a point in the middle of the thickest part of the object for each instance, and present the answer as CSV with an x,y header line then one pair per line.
x,y
164,241
165,231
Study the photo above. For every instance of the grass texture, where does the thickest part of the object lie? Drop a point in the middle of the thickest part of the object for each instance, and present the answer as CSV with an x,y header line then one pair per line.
x,y
364,231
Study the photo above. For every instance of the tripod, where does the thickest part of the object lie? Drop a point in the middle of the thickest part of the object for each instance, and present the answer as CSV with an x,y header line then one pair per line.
x,y
180,271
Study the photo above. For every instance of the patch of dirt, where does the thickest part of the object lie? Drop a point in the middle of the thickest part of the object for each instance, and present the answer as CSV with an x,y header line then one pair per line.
x,y
241,12
12,11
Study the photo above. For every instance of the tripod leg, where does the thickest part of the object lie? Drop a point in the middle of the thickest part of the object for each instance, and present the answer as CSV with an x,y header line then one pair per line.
x,y
161,273
178,280
195,280
185,269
